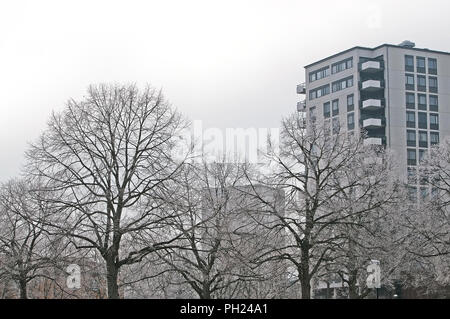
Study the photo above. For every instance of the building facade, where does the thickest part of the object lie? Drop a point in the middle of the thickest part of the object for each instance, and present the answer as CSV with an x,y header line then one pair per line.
x,y
397,95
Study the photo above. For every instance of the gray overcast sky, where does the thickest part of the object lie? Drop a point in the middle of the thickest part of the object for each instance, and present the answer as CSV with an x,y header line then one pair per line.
x,y
228,63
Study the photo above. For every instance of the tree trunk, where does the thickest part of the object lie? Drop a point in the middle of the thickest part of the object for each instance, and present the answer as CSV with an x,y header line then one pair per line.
x,y
305,280
23,289
112,274
305,277
112,256
328,290
206,291
352,286
205,295
353,292
306,289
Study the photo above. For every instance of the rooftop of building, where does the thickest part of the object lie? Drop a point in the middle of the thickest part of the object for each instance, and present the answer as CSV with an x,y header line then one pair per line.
x,y
403,45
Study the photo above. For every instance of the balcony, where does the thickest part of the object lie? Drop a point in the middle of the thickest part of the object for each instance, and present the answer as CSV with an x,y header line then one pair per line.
x,y
301,88
372,85
373,141
373,123
302,123
372,105
371,66
375,160
301,106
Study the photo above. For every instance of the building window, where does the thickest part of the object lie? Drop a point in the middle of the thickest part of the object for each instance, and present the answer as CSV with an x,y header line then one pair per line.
x,y
412,176
432,66
421,65
410,101
422,99
412,193
341,66
312,114
350,103
319,74
412,160
423,179
434,103
422,119
411,119
434,138
336,125
319,92
335,107
421,83
409,82
349,63
350,121
433,84
411,138
434,121
342,84
423,139
326,110
422,155
409,63
350,82
326,127
423,193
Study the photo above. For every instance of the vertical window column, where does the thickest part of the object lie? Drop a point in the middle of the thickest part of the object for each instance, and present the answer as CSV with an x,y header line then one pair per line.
x,y
411,157
409,63
422,120
410,101
411,119
351,121
326,110
432,66
335,107
350,103
420,65
422,101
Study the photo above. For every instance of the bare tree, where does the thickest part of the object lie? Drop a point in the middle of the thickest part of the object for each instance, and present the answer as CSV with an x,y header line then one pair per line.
x,y
218,236
27,251
431,223
317,169
205,261
369,231
107,159
426,225
153,278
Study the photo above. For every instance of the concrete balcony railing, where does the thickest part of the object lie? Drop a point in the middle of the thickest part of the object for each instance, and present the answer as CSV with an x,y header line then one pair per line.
x,y
301,106
372,123
371,66
301,88
373,141
303,123
372,105
372,85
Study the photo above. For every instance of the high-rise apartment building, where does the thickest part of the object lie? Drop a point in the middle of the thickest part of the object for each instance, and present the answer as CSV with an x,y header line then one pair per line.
x,y
398,94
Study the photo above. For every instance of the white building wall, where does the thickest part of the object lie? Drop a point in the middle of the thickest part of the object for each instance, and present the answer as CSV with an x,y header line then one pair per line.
x,y
395,93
